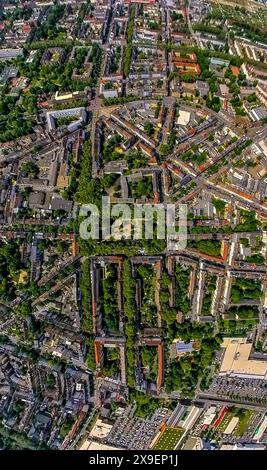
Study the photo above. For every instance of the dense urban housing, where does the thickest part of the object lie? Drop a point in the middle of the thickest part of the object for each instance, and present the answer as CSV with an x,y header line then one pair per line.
x,y
123,340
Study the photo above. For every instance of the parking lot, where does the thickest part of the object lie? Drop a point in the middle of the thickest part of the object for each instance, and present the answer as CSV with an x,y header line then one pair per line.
x,y
132,432
237,388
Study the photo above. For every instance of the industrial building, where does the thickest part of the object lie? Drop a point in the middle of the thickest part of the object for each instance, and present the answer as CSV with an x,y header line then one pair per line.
x,y
237,362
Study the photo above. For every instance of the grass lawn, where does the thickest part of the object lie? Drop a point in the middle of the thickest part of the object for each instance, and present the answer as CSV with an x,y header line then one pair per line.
x,y
169,439
244,418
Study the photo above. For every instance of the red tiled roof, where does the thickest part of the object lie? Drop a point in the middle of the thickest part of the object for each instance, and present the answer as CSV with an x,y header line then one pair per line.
x,y
235,70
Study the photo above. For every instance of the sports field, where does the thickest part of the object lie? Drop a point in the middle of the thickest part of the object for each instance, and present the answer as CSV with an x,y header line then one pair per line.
x,y
225,421
168,439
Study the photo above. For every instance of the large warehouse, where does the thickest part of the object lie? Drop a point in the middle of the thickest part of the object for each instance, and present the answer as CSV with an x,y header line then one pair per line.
x,y
237,362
